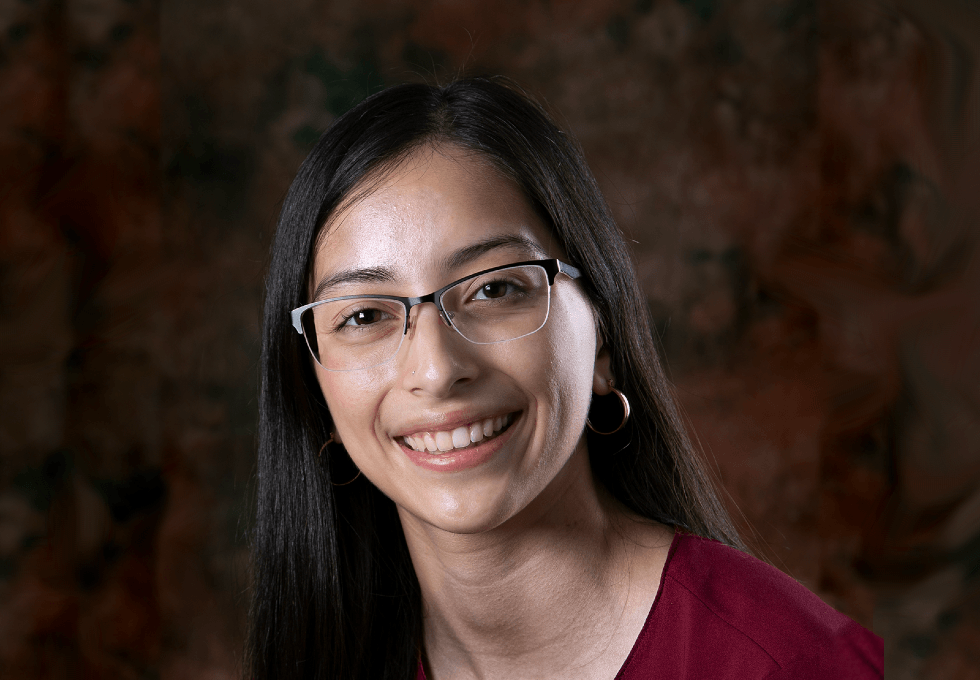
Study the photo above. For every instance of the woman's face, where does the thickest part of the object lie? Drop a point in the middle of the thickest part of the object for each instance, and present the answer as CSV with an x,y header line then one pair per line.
x,y
440,215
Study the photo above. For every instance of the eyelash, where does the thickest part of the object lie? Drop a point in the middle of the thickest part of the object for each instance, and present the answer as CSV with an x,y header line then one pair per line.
x,y
346,318
514,286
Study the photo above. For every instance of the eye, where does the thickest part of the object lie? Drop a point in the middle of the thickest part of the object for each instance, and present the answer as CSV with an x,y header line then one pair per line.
x,y
364,317
367,316
494,290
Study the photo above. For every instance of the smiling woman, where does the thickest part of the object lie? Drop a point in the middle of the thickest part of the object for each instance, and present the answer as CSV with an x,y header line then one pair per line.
x,y
395,372
454,484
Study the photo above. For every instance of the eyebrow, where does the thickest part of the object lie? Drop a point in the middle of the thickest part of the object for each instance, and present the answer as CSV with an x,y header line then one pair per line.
x,y
368,275
453,261
474,251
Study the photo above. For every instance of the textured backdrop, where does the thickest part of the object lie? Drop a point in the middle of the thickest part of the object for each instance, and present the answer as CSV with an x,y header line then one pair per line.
x,y
799,182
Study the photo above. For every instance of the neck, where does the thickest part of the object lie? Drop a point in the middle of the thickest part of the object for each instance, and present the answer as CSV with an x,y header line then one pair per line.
x,y
515,598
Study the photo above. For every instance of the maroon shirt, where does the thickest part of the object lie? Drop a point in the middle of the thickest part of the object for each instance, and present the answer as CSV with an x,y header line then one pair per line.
x,y
720,614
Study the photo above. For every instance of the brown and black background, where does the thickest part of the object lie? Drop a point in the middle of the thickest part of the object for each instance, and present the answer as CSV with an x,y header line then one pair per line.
x,y
799,180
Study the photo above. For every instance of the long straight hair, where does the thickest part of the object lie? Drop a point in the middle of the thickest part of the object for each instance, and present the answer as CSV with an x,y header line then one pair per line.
x,y
335,595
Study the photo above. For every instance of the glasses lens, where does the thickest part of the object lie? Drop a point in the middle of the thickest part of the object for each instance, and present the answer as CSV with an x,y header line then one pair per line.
x,y
502,305
347,335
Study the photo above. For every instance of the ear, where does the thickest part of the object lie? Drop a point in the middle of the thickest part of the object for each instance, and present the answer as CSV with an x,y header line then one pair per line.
x,y
602,378
335,436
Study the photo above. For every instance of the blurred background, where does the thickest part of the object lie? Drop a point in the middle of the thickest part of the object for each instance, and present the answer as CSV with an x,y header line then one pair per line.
x,y
800,182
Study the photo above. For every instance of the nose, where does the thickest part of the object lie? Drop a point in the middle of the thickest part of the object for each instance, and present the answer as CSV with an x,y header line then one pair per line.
x,y
437,357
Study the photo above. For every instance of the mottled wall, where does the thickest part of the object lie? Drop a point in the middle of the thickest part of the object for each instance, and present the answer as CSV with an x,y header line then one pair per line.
x,y
799,181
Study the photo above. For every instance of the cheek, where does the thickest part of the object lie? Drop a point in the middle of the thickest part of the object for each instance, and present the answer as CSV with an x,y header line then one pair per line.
x,y
353,400
559,369
574,344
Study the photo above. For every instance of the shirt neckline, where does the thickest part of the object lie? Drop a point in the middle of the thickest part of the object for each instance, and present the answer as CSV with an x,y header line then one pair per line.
x,y
674,542
648,623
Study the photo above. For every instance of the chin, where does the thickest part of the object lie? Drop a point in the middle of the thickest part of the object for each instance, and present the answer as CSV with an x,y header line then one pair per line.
x,y
457,511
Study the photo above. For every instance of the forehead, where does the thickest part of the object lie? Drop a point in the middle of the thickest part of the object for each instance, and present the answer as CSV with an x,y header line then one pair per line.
x,y
431,204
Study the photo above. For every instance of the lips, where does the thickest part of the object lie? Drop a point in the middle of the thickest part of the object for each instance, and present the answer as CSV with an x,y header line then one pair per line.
x,y
471,454
442,441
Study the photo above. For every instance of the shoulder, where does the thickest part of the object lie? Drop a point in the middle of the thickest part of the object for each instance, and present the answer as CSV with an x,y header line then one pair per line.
x,y
731,615
771,610
741,589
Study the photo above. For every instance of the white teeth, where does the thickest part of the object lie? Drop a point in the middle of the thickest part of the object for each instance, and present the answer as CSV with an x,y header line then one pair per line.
x,y
461,437
444,441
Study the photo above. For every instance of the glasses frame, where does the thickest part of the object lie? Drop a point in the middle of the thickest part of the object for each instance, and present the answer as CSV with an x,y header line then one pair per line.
x,y
552,268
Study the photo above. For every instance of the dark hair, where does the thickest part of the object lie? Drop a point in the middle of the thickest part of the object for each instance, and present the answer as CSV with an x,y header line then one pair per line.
x,y
335,594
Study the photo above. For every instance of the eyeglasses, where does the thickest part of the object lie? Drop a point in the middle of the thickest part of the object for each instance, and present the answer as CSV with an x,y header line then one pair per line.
x,y
355,332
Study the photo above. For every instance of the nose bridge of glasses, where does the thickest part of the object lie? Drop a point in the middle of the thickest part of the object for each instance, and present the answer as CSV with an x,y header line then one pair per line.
x,y
416,305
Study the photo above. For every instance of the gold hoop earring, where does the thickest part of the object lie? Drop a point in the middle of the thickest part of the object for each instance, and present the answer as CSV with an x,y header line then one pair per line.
x,y
351,481
325,445
626,413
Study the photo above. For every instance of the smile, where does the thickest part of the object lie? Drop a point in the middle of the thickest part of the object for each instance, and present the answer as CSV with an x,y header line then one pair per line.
x,y
460,438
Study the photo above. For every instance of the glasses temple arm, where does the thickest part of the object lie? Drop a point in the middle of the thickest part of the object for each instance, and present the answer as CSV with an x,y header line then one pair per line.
x,y
569,270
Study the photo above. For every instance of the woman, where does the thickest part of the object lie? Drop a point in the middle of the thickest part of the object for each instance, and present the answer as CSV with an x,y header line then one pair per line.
x,y
470,464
